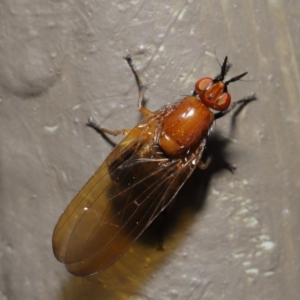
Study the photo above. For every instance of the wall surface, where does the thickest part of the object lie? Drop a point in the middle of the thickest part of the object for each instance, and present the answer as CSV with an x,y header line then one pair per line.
x,y
227,236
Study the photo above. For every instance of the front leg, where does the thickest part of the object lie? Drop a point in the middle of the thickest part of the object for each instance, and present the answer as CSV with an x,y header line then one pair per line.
x,y
142,88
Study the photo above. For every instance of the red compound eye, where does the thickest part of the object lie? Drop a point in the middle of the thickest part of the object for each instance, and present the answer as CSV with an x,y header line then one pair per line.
x,y
202,84
222,103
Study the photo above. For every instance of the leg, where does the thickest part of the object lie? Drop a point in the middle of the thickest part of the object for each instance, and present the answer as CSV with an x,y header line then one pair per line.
x,y
102,130
203,165
243,102
142,88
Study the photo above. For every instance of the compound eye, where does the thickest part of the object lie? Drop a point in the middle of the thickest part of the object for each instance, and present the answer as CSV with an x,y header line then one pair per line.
x,y
223,102
203,84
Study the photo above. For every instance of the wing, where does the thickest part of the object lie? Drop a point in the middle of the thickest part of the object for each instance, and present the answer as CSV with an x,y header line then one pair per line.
x,y
134,184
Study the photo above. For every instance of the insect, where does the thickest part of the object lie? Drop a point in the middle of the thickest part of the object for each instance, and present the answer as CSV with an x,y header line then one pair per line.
x,y
141,176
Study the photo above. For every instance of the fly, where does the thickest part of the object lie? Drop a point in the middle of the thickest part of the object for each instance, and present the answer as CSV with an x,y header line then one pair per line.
x,y
141,176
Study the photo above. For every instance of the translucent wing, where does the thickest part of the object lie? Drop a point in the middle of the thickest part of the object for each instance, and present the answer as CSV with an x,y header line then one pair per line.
x,y
134,184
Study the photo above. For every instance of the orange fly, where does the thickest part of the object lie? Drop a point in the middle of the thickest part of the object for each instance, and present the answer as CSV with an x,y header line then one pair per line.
x,y
140,177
